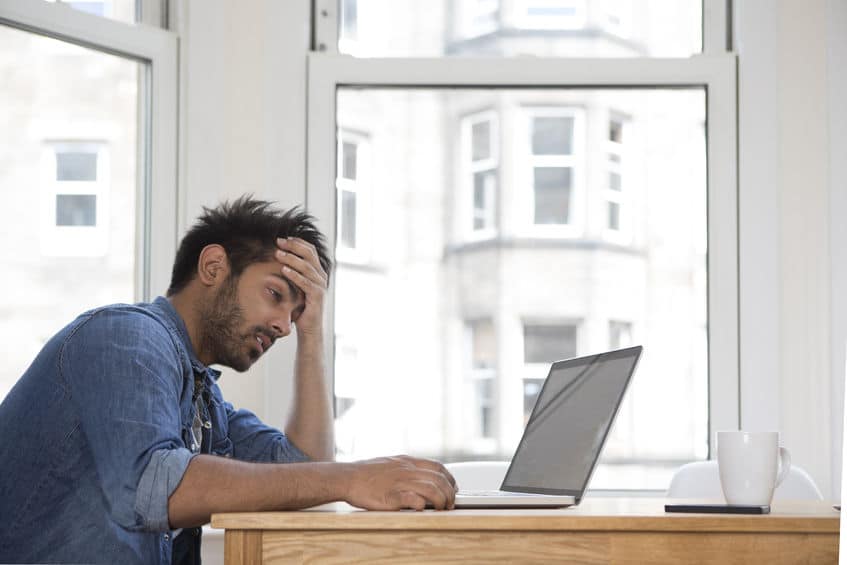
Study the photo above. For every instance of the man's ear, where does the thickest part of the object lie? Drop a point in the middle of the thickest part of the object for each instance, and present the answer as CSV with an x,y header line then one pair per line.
x,y
212,265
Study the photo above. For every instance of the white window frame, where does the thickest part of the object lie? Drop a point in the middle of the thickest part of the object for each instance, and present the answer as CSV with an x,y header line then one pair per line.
x,y
360,187
479,443
470,167
622,197
157,198
575,161
714,70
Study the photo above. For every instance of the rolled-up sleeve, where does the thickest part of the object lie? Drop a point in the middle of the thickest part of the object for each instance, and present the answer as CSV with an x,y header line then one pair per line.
x,y
125,376
158,481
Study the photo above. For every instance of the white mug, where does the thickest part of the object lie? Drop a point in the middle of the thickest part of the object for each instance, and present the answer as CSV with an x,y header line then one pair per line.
x,y
751,466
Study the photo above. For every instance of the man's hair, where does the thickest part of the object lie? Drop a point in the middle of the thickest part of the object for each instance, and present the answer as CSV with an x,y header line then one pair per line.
x,y
247,230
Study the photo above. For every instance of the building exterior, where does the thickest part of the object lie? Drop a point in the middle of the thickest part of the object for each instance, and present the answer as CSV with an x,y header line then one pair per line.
x,y
485,233
68,152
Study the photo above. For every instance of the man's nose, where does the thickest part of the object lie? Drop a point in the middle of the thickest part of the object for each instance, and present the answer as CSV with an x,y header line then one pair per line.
x,y
282,325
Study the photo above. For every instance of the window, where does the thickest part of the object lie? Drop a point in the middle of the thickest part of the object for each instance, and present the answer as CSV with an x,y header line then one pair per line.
x,y
81,171
75,192
512,28
349,26
120,10
351,186
552,270
483,373
553,165
480,134
544,343
614,191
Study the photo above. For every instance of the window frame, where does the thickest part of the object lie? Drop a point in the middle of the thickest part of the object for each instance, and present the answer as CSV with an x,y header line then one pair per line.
x,y
714,70
359,187
469,168
623,234
575,161
157,197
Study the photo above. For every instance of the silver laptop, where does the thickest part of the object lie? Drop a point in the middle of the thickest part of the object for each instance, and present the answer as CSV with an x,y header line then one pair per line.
x,y
563,438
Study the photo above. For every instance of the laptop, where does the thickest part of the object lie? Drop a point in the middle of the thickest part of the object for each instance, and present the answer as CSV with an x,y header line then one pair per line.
x,y
565,434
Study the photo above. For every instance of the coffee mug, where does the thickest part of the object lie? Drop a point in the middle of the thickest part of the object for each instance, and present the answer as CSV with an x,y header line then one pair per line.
x,y
751,466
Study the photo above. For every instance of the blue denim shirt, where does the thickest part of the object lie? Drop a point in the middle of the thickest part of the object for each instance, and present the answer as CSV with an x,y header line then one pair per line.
x,y
96,435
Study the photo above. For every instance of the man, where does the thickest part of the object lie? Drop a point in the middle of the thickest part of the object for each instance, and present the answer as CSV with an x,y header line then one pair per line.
x,y
116,443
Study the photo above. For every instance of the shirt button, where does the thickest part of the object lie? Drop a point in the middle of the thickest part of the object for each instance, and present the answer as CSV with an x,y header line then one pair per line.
x,y
167,537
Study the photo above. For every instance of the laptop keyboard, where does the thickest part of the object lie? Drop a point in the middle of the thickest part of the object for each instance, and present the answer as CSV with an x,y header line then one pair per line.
x,y
494,493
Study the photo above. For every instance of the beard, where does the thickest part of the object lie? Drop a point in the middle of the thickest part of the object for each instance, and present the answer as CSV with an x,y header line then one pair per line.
x,y
220,331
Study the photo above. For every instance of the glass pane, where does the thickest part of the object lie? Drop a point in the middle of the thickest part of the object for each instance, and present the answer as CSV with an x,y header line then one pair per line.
x,y
511,28
481,140
121,10
615,181
76,209
545,344
431,273
76,166
484,345
531,390
348,160
552,186
348,219
552,136
614,216
67,188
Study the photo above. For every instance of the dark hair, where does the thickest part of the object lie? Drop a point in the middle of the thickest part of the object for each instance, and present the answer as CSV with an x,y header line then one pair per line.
x,y
247,230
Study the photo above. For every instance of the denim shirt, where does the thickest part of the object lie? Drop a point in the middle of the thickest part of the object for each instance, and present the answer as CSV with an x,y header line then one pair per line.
x,y
96,436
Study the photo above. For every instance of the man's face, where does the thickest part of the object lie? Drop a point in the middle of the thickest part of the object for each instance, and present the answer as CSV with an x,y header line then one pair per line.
x,y
248,314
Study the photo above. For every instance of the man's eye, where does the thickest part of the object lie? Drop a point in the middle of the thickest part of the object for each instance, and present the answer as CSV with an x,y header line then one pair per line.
x,y
276,296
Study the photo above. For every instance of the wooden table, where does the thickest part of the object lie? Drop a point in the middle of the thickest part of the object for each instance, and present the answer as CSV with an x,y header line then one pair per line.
x,y
600,530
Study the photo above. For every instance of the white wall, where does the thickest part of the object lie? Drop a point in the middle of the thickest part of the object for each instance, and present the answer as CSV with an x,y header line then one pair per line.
x,y
243,113
243,129
791,79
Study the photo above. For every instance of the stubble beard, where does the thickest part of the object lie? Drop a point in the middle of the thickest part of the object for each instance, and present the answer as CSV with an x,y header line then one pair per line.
x,y
221,322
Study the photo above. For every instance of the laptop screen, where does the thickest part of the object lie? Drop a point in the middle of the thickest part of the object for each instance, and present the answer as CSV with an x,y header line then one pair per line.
x,y
568,426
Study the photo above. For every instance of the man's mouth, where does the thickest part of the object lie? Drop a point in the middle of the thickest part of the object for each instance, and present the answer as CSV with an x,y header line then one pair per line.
x,y
264,342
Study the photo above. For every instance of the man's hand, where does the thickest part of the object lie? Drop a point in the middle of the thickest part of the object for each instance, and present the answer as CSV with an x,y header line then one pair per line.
x,y
301,266
393,483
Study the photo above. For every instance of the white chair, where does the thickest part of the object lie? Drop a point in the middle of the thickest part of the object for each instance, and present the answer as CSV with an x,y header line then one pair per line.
x,y
702,480
478,475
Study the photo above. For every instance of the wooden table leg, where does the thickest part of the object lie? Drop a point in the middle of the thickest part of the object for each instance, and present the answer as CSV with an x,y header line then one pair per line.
x,y
243,547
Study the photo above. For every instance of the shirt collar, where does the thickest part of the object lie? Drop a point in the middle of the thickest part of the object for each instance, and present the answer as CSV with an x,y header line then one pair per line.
x,y
164,306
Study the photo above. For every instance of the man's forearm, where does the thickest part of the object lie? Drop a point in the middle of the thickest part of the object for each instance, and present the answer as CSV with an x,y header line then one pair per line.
x,y
216,484
310,425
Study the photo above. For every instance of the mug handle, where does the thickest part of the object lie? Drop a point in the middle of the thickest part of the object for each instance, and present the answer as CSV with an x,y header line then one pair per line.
x,y
784,465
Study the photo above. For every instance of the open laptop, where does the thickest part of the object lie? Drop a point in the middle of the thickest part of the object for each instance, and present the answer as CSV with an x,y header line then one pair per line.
x,y
563,438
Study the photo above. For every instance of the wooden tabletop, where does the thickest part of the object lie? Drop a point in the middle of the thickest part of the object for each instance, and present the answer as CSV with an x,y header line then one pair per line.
x,y
600,513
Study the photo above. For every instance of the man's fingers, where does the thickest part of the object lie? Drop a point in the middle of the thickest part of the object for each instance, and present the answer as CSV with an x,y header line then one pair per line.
x,y
304,250
301,266
406,499
436,467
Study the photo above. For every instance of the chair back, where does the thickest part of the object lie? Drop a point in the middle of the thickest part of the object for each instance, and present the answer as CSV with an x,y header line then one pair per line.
x,y
701,479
